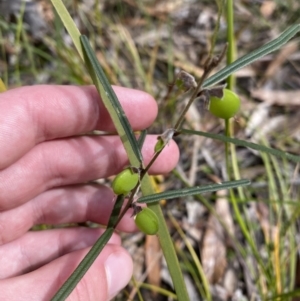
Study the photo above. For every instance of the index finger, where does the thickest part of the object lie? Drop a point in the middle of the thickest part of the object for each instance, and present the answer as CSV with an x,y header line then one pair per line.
x,y
30,115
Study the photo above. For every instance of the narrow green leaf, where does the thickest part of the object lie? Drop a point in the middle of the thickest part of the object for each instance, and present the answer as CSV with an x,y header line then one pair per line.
x,y
252,56
284,296
110,99
91,256
69,24
153,288
262,148
142,138
116,211
83,267
167,195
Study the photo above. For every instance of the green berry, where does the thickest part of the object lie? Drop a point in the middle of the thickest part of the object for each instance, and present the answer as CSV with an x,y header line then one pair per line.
x,y
225,107
125,181
147,221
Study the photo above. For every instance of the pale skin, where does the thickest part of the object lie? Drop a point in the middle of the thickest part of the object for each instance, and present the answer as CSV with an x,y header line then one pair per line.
x,y
43,164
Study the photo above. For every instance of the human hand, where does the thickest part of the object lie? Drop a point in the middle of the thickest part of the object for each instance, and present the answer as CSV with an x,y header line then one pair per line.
x,y
43,163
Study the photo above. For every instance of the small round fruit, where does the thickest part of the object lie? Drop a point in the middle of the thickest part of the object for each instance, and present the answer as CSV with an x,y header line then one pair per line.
x,y
147,221
225,107
125,181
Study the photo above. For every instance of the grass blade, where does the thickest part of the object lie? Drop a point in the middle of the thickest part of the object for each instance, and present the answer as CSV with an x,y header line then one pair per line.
x,y
285,296
110,99
252,56
262,148
167,195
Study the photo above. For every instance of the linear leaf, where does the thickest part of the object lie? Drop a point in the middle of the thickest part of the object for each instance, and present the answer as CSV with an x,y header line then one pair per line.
x,y
91,256
83,266
167,195
116,211
69,24
142,138
262,148
252,56
110,99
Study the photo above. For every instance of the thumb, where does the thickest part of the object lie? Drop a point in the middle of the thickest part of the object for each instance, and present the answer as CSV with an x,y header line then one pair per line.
x,y
111,272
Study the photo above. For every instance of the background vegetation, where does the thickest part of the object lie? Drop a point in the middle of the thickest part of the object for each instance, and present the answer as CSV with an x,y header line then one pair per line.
x,y
142,44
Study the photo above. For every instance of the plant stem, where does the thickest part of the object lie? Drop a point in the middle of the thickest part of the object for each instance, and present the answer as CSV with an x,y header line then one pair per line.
x,y
167,246
194,95
231,42
227,153
228,132
209,65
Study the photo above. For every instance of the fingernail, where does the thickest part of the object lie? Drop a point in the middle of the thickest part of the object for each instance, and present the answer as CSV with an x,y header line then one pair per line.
x,y
118,267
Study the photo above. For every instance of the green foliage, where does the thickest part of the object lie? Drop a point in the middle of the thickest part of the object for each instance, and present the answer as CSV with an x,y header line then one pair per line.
x,y
259,147
147,220
180,193
91,256
253,56
133,146
111,102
